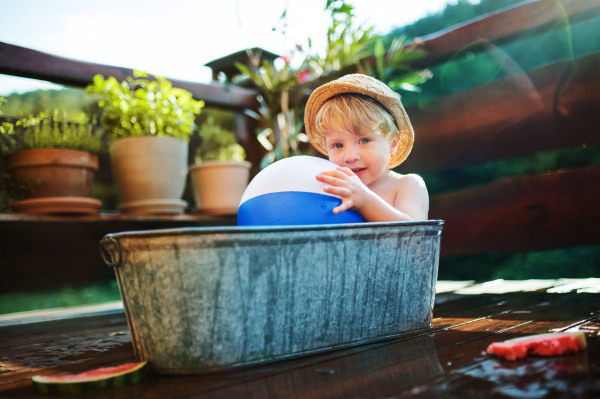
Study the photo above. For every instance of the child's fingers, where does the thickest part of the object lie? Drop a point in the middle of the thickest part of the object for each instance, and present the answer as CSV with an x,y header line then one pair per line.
x,y
344,206
329,173
341,191
330,178
346,171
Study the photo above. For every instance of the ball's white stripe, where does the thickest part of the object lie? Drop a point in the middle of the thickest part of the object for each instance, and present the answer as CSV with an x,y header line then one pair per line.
x,y
296,173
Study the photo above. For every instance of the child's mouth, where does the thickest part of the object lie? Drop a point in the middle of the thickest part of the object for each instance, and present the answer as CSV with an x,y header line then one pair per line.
x,y
358,171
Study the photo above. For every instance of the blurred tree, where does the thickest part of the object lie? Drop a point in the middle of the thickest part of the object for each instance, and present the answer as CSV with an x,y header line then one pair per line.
x,y
72,101
452,14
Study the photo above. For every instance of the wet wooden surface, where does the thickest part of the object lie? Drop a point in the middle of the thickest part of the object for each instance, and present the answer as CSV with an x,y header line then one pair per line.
x,y
448,361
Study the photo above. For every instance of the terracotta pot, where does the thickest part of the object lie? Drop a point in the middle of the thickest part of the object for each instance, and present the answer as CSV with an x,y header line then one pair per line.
x,y
150,172
219,185
61,173
61,180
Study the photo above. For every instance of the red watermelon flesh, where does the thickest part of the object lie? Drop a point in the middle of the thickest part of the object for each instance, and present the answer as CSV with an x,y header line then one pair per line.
x,y
552,344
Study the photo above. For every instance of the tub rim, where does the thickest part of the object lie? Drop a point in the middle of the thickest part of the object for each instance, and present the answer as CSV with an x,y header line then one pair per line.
x,y
265,229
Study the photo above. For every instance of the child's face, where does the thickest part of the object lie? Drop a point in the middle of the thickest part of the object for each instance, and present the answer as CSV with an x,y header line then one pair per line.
x,y
366,155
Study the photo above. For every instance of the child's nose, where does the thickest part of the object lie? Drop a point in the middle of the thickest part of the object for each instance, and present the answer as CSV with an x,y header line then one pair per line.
x,y
351,154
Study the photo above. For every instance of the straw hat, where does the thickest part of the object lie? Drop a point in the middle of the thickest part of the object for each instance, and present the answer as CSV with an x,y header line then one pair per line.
x,y
366,85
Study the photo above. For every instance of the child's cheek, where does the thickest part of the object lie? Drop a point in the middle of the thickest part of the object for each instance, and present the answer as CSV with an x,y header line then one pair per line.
x,y
333,157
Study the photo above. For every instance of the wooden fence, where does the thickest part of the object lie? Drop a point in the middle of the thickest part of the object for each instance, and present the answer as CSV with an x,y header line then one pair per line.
x,y
553,106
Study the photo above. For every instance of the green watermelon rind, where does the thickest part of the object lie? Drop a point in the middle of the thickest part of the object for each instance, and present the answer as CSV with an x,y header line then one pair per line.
x,y
548,344
46,385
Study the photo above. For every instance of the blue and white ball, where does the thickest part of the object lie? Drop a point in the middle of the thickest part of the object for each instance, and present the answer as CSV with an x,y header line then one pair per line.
x,y
288,193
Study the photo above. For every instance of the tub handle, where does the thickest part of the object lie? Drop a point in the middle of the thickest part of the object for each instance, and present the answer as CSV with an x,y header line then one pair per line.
x,y
110,249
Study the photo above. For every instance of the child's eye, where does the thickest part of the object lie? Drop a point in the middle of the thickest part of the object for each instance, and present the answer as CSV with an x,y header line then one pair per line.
x,y
337,145
364,140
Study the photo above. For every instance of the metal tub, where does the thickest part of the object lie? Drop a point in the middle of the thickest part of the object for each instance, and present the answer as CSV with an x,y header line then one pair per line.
x,y
206,299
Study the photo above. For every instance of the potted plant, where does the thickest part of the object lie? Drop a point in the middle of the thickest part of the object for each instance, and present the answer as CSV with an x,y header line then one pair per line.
x,y
220,174
150,122
49,163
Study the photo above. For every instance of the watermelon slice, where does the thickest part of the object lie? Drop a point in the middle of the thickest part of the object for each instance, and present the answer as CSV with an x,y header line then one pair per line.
x,y
551,344
92,380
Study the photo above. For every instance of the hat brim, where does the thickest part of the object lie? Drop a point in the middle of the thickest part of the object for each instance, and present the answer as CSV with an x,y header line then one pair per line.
x,y
368,86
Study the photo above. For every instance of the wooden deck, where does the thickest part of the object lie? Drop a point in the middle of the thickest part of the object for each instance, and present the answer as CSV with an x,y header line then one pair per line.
x,y
449,361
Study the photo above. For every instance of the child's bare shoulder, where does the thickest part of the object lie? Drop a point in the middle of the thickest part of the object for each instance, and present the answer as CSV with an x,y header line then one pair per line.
x,y
410,180
411,195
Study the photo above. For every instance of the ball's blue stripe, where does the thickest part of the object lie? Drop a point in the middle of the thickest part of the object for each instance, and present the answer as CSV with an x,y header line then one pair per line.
x,y
293,208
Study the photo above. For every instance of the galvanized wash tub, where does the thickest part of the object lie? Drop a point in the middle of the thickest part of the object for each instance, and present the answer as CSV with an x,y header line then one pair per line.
x,y
206,299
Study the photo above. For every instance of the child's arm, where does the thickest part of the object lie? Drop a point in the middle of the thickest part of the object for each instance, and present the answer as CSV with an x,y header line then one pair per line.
x,y
411,201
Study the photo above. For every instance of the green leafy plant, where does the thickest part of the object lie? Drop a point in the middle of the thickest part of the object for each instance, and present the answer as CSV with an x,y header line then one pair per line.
x,y
347,43
46,130
12,190
279,126
50,130
392,65
218,144
284,89
145,107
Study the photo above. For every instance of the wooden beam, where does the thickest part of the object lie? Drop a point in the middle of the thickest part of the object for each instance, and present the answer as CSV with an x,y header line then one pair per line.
x,y
504,26
557,106
526,213
28,63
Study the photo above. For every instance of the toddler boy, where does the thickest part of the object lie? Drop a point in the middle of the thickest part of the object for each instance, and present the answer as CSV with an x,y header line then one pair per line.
x,y
361,125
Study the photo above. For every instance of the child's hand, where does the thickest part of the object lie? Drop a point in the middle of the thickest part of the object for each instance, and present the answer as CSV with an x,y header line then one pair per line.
x,y
345,184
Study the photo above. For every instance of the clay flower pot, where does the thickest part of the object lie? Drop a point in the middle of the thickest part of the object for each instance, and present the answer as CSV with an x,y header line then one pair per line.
x,y
219,185
61,180
150,172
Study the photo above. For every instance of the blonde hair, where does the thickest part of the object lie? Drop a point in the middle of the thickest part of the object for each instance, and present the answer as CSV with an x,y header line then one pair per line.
x,y
355,113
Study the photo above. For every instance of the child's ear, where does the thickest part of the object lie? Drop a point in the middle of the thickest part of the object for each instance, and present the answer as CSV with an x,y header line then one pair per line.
x,y
394,145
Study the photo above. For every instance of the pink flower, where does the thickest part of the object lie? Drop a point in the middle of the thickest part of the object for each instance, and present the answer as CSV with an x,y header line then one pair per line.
x,y
286,58
303,75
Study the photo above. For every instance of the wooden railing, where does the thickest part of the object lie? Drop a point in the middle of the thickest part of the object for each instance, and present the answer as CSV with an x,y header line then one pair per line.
x,y
549,107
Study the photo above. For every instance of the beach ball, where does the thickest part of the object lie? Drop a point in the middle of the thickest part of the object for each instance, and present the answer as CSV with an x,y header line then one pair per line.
x,y
288,193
